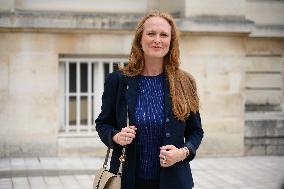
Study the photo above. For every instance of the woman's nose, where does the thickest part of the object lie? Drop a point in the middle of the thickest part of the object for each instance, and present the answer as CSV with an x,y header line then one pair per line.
x,y
157,39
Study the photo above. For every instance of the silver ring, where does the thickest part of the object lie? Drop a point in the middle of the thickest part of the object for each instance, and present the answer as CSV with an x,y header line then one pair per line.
x,y
126,139
165,159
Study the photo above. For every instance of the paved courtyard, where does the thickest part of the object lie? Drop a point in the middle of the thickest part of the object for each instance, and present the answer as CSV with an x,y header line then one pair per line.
x,y
255,172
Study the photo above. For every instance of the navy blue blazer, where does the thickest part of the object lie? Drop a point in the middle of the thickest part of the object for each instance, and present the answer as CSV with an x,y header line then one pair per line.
x,y
120,92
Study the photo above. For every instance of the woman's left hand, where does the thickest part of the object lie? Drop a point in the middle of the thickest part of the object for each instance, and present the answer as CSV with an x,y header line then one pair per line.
x,y
170,154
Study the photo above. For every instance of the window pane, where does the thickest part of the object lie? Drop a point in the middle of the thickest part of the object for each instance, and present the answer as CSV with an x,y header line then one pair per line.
x,y
72,110
92,110
72,77
93,77
84,110
106,69
115,66
84,77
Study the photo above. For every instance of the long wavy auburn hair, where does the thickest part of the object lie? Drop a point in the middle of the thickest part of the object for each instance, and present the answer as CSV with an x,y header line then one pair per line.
x,y
182,85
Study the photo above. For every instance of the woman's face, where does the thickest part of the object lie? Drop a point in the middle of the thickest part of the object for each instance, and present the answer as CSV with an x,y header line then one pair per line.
x,y
156,37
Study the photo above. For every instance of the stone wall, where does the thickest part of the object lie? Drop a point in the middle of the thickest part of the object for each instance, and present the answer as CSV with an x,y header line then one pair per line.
x,y
217,63
28,99
98,6
30,94
29,90
264,119
264,133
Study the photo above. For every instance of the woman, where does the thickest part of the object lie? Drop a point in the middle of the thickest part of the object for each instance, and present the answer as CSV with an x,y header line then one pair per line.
x,y
162,103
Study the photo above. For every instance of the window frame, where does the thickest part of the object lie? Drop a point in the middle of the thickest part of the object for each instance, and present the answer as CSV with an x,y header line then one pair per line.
x,y
96,77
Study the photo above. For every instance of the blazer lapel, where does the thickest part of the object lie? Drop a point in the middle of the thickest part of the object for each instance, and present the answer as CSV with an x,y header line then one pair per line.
x,y
167,97
131,95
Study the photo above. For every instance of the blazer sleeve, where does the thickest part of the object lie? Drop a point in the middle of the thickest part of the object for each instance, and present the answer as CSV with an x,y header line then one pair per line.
x,y
193,134
106,121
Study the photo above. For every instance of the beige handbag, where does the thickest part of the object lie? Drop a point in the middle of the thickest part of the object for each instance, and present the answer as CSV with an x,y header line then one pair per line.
x,y
107,180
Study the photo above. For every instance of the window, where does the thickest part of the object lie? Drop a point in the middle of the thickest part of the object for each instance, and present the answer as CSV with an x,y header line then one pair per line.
x,y
81,87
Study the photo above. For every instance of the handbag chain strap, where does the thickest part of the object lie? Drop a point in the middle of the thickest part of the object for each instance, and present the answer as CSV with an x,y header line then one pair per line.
x,y
106,158
122,160
123,155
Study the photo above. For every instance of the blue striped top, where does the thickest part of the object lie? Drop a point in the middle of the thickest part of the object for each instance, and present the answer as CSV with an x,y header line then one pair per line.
x,y
149,120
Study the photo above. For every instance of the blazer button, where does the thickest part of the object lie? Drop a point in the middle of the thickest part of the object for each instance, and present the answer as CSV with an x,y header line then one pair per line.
x,y
167,120
168,135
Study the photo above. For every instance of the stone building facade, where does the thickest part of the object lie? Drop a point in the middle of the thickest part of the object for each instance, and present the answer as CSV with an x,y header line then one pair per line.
x,y
55,55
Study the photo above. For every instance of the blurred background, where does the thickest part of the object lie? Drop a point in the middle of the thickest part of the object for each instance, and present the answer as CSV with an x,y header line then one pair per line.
x,y
56,54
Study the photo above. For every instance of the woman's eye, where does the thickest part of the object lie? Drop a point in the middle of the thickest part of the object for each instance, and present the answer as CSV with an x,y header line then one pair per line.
x,y
164,35
151,33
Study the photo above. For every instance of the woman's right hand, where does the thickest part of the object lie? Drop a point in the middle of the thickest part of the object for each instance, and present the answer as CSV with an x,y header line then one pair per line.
x,y
125,136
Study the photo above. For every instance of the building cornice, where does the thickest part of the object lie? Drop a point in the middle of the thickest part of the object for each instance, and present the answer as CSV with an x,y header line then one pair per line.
x,y
216,24
268,31
66,21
